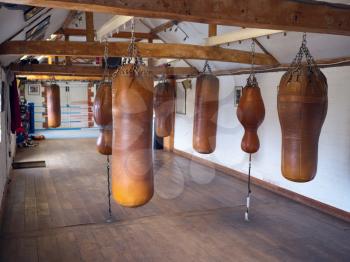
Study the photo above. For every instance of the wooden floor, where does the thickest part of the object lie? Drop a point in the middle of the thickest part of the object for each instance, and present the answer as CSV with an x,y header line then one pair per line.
x,y
58,213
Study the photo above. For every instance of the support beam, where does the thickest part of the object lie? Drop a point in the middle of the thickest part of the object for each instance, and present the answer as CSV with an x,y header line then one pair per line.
x,y
322,63
302,16
163,27
264,49
113,24
93,71
212,30
120,49
89,22
82,32
239,35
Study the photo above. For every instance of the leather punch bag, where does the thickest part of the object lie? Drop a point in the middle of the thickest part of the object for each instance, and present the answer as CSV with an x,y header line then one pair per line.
x,y
132,159
103,117
205,112
164,107
251,113
302,103
53,105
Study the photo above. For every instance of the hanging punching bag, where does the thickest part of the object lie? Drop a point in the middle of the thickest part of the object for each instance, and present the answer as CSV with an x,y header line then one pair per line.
x,y
302,107
53,105
103,117
205,113
132,160
164,107
251,113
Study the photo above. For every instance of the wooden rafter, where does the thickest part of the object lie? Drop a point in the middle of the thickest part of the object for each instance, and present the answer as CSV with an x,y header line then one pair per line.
x,y
82,32
238,35
155,50
305,16
73,70
163,27
322,63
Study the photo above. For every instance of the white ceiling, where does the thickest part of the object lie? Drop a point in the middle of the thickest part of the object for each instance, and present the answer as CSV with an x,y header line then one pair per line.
x,y
282,47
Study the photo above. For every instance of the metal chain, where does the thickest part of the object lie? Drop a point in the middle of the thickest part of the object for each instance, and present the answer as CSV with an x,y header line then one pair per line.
x,y
251,81
246,214
206,67
297,61
109,219
105,56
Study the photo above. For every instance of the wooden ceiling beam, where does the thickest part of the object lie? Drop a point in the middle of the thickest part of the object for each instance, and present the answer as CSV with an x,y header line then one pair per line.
x,y
302,16
82,32
93,71
322,63
163,27
120,49
238,35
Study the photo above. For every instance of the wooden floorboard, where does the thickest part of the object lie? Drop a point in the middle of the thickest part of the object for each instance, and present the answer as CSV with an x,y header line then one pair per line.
x,y
59,213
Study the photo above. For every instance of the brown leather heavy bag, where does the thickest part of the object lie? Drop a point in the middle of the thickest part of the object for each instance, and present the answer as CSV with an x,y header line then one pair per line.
x,y
104,141
302,108
205,113
164,107
251,113
103,105
53,106
132,160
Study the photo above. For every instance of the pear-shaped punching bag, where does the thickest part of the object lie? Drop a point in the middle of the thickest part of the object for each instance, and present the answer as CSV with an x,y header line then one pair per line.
x,y
103,117
53,105
302,104
251,113
104,140
164,107
302,108
132,160
205,113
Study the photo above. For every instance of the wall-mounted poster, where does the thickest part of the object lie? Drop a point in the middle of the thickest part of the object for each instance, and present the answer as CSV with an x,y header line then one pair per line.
x,y
31,12
238,94
34,89
37,32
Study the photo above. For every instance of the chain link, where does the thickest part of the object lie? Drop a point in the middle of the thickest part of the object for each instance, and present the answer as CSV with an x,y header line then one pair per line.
x,y
206,67
105,57
251,81
133,52
297,61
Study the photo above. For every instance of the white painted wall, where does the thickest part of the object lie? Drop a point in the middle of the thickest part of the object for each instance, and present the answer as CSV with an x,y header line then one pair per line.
x,y
74,104
332,182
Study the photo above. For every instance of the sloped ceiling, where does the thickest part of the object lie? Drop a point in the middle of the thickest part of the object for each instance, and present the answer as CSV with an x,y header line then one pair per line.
x,y
282,47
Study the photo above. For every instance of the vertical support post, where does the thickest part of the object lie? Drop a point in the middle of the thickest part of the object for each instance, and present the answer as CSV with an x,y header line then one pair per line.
x,y
212,30
67,58
168,142
89,22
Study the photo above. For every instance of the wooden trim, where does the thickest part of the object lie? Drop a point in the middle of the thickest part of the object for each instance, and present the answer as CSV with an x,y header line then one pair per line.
x,y
120,49
325,208
302,16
